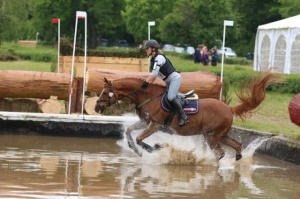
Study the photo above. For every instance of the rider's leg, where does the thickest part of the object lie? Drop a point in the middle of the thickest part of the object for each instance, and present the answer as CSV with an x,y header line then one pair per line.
x,y
183,119
173,89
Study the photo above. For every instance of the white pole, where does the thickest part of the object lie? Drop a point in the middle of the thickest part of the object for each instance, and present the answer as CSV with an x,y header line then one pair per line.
x,y
150,23
148,31
58,45
226,23
36,38
222,64
72,67
84,70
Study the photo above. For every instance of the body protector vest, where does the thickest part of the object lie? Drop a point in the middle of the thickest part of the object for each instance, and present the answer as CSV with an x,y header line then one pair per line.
x,y
165,69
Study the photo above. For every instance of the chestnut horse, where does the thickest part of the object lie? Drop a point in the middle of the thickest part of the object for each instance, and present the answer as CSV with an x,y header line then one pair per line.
x,y
213,120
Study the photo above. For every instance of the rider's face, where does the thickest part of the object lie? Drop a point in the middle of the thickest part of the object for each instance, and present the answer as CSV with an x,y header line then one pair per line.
x,y
149,50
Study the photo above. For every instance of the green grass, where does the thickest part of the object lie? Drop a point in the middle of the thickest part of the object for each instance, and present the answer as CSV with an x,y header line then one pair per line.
x,y
28,49
26,66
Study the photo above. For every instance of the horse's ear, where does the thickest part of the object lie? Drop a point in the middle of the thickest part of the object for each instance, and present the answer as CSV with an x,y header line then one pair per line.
x,y
105,80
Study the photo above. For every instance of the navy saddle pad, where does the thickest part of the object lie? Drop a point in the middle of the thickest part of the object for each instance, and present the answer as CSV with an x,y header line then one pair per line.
x,y
191,108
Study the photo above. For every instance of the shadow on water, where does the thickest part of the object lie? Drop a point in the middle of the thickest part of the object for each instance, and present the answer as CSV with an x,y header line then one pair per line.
x,y
68,167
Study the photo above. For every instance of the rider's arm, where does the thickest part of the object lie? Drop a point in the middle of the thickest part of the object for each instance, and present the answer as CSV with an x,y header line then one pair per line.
x,y
150,79
159,62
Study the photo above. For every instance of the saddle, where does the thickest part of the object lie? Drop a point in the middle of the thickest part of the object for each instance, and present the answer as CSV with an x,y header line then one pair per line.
x,y
189,102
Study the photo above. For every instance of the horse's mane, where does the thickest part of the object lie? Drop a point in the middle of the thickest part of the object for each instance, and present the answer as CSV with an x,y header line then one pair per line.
x,y
141,80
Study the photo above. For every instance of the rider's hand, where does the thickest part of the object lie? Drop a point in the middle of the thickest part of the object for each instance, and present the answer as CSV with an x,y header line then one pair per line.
x,y
144,84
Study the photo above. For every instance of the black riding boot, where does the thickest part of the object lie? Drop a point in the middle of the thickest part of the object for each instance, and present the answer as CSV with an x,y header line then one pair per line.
x,y
183,119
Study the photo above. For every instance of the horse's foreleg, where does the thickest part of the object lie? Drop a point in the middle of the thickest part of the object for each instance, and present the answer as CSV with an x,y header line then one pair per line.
x,y
136,126
152,128
233,144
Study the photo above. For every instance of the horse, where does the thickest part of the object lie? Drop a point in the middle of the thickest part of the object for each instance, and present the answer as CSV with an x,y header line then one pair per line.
x,y
213,120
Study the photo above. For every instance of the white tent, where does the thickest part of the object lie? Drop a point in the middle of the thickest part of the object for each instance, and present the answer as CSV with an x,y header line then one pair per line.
x,y
277,46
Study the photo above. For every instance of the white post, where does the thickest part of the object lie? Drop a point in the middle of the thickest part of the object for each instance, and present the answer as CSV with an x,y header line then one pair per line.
x,y
36,38
226,23
150,23
84,66
58,44
72,66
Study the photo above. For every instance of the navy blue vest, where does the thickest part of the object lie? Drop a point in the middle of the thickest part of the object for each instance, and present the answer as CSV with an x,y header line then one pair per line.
x,y
165,69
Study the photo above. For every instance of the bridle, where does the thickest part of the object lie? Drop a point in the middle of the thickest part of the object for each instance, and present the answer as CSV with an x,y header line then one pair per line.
x,y
112,93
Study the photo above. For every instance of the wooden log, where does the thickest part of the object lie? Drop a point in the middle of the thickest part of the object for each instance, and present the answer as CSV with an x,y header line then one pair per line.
x,y
205,84
294,110
29,84
79,94
27,43
24,105
5,104
89,106
51,105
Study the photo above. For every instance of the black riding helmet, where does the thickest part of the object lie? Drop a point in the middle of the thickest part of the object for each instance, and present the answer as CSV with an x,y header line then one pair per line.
x,y
151,43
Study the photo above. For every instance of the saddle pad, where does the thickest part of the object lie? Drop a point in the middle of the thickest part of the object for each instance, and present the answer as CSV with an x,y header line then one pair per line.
x,y
191,108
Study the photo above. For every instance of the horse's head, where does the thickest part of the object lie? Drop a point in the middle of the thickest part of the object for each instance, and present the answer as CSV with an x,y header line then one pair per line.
x,y
107,97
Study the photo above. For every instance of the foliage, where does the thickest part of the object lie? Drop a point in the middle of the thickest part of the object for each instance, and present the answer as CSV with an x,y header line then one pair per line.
x,y
137,14
289,8
14,18
195,22
16,52
177,21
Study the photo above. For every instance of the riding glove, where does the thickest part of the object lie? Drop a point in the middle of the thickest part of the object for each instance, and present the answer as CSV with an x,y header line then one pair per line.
x,y
144,84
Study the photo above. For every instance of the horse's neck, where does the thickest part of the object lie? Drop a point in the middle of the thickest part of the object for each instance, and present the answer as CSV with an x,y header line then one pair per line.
x,y
129,86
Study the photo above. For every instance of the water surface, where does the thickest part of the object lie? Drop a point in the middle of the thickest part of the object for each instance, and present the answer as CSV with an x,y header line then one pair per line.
x,y
33,166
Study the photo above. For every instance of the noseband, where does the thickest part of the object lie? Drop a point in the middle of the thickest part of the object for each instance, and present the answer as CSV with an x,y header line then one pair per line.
x,y
110,95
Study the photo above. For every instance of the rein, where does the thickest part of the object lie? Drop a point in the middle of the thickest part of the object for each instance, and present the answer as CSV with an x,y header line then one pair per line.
x,y
147,101
111,94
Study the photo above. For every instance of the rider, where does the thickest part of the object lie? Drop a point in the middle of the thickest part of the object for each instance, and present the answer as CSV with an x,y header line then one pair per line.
x,y
161,66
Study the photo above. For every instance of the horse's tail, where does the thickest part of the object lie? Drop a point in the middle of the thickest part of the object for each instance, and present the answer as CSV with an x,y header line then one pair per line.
x,y
252,99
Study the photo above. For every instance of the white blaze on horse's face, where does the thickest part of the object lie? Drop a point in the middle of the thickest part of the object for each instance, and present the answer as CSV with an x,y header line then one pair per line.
x,y
111,94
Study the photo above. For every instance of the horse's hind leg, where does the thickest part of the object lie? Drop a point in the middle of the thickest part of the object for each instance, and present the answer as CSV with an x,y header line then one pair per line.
x,y
215,145
233,144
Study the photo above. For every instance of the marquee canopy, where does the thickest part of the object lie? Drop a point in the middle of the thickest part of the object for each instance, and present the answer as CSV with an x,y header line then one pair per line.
x,y
277,46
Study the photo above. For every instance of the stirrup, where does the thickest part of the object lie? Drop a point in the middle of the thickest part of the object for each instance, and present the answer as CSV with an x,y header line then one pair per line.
x,y
183,121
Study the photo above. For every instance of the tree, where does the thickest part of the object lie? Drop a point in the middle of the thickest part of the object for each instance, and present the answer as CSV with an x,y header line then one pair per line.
x,y
137,14
196,22
103,18
251,14
289,8
14,19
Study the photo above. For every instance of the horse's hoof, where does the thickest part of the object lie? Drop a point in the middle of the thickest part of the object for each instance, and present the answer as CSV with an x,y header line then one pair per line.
x,y
147,147
157,147
238,157
221,157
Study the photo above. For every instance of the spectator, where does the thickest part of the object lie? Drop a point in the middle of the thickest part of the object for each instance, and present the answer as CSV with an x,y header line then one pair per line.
x,y
214,56
197,54
205,56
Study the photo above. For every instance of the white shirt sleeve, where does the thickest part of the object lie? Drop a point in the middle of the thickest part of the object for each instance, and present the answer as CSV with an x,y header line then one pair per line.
x,y
159,61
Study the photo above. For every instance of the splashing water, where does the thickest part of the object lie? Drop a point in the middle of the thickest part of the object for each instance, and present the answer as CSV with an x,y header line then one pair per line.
x,y
189,150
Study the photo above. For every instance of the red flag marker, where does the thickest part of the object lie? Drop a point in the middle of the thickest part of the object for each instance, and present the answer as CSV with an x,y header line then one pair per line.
x,y
55,20
81,14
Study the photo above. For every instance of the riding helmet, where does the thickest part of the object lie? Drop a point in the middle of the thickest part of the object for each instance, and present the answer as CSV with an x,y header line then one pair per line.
x,y
151,43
